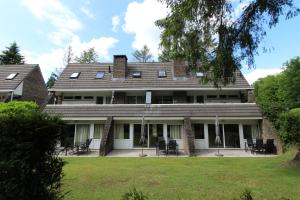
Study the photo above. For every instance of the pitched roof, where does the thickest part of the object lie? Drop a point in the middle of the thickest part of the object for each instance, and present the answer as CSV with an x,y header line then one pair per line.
x,y
238,110
149,78
6,70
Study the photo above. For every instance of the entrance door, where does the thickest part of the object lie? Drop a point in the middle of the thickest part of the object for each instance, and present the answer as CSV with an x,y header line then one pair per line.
x,y
232,137
137,134
229,135
212,136
152,132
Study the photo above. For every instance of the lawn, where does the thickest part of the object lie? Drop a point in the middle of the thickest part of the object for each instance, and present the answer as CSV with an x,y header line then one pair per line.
x,y
181,178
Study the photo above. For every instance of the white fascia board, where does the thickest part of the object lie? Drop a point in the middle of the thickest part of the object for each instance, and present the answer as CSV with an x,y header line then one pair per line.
x,y
228,118
148,118
5,91
147,89
85,118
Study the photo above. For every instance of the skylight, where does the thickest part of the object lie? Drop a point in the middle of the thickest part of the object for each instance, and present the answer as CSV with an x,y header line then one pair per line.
x,y
162,74
100,75
136,74
11,76
75,75
199,74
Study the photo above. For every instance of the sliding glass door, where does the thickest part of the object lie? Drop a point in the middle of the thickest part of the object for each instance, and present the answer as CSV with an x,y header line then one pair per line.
x,y
229,136
151,133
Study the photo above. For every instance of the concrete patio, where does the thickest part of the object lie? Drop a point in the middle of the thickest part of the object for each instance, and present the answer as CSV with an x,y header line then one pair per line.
x,y
152,153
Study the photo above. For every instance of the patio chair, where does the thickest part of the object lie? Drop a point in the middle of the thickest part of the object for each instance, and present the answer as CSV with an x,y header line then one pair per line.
x,y
172,147
270,147
86,146
160,147
250,144
259,146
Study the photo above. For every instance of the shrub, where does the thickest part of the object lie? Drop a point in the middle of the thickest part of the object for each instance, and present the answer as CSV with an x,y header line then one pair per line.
x,y
289,126
246,195
29,168
134,195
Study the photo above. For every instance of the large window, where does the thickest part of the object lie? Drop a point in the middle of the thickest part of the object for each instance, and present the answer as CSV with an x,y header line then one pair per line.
x,y
198,130
82,133
98,131
212,136
251,131
122,131
174,131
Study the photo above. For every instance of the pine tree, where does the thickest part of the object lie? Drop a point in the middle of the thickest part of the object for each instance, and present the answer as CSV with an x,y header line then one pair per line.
x,y
12,55
142,55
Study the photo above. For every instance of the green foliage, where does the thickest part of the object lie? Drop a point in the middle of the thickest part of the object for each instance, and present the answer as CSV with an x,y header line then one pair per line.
x,y
133,194
12,55
88,56
290,84
142,55
279,99
51,80
268,97
29,168
289,126
209,32
17,107
246,195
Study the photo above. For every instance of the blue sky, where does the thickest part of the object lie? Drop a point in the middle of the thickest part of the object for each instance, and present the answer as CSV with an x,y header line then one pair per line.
x,y
44,28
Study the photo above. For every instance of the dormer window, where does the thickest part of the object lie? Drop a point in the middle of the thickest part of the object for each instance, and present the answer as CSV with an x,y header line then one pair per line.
x,y
162,74
136,74
11,76
75,75
100,75
199,74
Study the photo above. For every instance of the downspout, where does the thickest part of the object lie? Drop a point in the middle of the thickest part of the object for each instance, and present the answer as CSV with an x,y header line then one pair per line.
x,y
12,96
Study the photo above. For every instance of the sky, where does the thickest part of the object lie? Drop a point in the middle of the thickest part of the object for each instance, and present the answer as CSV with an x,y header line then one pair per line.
x,y
43,29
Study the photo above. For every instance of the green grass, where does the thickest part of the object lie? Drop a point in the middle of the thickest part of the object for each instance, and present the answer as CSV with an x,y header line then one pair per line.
x,y
181,178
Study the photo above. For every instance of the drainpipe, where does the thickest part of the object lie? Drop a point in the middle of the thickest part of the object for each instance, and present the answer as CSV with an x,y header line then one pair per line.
x,y
12,96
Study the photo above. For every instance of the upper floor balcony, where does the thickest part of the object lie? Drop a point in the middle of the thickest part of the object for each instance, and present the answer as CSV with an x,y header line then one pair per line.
x,y
152,97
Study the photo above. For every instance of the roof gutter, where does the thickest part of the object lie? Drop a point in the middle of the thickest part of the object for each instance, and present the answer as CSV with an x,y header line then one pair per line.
x,y
145,89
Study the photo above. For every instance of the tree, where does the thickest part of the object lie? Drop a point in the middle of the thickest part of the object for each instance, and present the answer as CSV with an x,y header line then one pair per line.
x,y
142,55
209,33
51,80
88,56
12,55
29,167
68,56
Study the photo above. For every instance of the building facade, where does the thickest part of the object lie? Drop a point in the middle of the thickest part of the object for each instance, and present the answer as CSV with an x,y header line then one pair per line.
x,y
116,103
23,83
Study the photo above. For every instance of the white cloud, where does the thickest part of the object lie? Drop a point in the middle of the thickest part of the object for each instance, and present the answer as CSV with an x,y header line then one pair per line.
x,y
61,17
115,23
139,20
87,12
50,61
260,73
101,45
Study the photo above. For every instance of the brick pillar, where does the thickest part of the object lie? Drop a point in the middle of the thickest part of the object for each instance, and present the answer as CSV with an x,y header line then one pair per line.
x,y
268,132
179,68
188,137
120,65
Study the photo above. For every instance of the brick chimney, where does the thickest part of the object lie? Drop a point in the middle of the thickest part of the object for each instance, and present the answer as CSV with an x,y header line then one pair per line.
x,y
120,66
179,68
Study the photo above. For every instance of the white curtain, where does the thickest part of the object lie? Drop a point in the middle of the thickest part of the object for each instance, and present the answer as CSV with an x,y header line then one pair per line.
x,y
119,131
82,133
98,131
255,131
175,131
154,130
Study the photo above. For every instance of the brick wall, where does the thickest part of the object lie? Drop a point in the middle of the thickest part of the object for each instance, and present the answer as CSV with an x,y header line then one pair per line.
x,y
188,137
120,65
179,68
268,132
34,88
